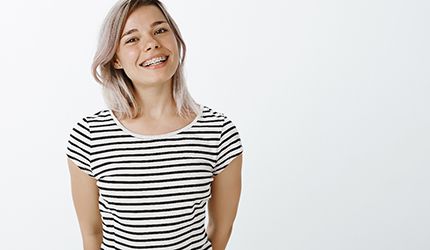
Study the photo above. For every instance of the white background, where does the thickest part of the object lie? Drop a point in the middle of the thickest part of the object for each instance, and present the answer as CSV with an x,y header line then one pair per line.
x,y
331,99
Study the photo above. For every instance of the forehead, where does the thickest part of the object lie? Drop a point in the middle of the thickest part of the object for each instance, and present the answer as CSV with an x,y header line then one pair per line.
x,y
143,17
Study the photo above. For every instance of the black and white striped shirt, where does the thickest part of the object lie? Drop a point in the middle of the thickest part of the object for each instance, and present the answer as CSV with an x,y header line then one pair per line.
x,y
154,188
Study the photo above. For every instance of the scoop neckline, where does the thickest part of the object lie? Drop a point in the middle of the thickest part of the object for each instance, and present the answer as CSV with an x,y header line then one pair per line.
x,y
144,136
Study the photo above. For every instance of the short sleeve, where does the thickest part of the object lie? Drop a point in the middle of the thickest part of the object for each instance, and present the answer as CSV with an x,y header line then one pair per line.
x,y
230,146
79,146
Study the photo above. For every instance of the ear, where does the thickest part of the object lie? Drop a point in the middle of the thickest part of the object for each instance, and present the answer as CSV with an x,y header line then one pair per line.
x,y
117,64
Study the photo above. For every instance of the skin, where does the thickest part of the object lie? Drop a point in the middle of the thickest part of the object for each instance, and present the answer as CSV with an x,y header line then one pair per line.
x,y
223,205
85,195
158,116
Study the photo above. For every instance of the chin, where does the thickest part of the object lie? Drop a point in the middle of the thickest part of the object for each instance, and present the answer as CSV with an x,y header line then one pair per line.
x,y
154,81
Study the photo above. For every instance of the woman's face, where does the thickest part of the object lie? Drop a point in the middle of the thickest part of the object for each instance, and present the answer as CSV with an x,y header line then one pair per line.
x,y
147,35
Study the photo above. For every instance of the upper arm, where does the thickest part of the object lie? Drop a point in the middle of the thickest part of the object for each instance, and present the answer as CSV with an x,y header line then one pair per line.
x,y
229,147
225,194
85,198
227,183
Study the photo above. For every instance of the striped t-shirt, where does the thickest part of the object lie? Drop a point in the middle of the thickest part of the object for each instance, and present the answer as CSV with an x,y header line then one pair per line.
x,y
154,188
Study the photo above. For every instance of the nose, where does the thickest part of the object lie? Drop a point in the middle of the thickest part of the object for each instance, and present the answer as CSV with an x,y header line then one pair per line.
x,y
151,44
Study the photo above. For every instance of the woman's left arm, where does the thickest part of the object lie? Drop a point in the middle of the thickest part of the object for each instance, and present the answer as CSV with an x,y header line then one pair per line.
x,y
224,202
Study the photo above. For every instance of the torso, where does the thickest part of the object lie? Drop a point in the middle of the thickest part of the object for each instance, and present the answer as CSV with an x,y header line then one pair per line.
x,y
154,190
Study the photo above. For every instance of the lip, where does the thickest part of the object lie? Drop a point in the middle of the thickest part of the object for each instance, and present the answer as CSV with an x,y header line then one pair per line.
x,y
149,58
157,66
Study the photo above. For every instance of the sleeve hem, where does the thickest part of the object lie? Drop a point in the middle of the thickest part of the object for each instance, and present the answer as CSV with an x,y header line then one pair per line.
x,y
81,165
218,169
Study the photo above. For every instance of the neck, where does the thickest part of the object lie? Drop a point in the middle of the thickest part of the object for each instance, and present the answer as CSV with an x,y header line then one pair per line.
x,y
156,101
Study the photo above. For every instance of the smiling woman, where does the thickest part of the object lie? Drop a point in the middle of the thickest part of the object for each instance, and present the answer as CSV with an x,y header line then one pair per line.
x,y
144,171
127,31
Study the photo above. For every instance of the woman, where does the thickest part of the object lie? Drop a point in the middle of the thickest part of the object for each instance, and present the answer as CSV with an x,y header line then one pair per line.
x,y
143,171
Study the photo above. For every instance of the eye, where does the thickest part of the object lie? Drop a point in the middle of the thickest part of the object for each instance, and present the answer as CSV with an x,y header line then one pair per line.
x,y
131,40
161,30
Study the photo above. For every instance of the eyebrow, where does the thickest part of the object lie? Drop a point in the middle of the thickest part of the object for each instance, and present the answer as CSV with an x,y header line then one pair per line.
x,y
134,30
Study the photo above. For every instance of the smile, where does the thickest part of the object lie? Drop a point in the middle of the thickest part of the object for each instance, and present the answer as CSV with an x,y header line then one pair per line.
x,y
155,62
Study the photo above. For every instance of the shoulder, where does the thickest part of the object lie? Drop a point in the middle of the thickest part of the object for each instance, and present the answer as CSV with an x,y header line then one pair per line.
x,y
223,118
211,112
87,120
98,115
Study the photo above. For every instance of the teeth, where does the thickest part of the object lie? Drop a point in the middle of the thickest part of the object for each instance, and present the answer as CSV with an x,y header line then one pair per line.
x,y
154,61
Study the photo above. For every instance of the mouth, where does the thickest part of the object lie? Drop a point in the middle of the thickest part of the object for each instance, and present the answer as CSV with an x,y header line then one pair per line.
x,y
153,62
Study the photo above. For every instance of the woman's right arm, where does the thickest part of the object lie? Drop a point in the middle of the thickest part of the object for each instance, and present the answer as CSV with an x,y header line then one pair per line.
x,y
85,195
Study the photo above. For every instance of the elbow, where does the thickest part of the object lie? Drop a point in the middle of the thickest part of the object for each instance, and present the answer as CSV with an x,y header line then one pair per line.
x,y
92,240
92,233
220,227
219,236
217,231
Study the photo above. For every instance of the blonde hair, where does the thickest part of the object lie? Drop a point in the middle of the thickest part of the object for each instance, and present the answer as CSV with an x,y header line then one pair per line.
x,y
118,90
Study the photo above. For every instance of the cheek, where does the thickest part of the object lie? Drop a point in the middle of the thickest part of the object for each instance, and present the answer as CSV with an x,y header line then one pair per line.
x,y
129,55
176,45
132,54
173,45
